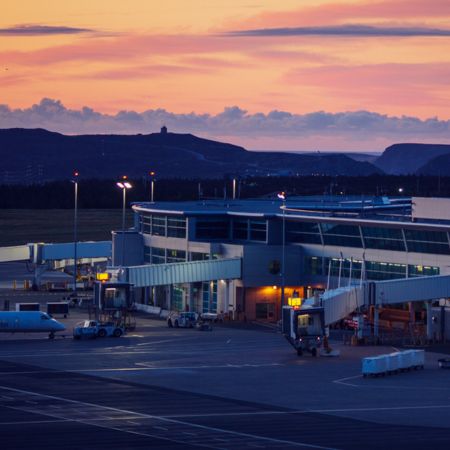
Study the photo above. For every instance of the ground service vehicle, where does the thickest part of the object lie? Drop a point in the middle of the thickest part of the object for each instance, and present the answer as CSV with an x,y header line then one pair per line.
x,y
183,320
93,329
29,322
304,328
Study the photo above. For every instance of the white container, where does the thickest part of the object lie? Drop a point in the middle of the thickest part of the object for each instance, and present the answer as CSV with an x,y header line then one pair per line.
x,y
407,359
393,361
419,358
376,365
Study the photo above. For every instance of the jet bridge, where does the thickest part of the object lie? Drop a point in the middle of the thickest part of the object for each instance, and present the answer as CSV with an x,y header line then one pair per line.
x,y
341,302
182,272
408,290
56,256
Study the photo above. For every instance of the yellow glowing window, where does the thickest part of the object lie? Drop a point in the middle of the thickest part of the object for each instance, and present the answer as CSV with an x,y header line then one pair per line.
x,y
103,276
294,301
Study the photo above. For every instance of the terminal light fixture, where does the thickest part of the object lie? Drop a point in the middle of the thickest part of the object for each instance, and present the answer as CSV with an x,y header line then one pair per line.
x,y
124,184
152,185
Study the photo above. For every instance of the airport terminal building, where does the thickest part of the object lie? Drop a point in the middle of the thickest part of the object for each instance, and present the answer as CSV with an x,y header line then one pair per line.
x,y
238,248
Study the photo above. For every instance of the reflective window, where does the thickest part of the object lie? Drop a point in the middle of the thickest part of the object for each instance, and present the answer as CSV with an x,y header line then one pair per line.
x,y
313,265
175,255
240,229
422,241
418,271
341,235
147,254
158,255
384,233
345,230
373,270
209,297
196,256
303,232
158,225
212,229
176,227
258,230
146,224
385,244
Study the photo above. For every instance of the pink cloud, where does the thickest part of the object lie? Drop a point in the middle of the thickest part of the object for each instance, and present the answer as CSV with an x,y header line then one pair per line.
x,y
289,56
396,85
145,71
128,47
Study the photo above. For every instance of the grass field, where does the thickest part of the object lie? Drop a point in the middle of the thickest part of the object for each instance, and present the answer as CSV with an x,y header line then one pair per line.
x,y
21,226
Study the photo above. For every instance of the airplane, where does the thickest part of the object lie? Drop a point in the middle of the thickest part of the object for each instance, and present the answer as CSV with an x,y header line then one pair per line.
x,y
29,322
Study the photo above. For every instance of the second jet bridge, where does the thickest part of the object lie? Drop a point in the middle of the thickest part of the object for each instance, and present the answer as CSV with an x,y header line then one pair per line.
x,y
183,272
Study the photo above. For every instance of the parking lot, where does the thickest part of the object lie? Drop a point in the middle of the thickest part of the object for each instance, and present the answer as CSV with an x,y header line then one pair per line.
x,y
227,388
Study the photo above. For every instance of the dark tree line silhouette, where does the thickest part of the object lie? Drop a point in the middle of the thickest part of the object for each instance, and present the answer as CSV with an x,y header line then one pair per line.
x,y
94,193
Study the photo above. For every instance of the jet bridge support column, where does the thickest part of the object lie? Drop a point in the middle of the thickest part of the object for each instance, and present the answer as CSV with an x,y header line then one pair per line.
x,y
376,321
429,322
38,272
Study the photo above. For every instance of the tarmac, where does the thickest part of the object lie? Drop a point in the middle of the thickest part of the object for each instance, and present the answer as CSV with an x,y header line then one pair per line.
x,y
229,388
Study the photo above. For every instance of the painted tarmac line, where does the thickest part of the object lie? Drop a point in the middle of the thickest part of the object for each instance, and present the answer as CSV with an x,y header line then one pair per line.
x,y
428,388
87,354
33,422
196,367
164,341
163,419
341,381
385,408
306,411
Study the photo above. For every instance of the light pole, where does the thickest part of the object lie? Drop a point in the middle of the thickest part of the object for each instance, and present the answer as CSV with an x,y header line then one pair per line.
x,y
124,185
152,186
75,226
282,196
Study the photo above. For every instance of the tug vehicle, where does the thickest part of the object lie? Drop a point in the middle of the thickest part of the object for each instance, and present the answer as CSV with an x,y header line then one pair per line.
x,y
92,329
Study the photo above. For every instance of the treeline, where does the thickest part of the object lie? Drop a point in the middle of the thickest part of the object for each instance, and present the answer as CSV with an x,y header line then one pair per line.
x,y
94,193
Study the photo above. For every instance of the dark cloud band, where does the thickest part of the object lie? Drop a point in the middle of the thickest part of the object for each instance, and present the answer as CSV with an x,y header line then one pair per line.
x,y
232,121
36,30
345,30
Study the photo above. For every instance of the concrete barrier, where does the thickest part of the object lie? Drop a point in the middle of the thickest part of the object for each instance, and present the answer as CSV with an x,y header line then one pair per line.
x,y
419,358
393,362
407,360
376,365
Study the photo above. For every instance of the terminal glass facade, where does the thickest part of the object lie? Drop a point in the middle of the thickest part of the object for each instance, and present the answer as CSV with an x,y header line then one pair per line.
x,y
163,225
373,270
373,237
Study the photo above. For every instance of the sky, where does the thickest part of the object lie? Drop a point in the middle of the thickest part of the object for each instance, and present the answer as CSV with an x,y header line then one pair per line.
x,y
276,75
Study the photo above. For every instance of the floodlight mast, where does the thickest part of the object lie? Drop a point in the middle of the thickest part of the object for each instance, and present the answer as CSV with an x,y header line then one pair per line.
x,y
124,184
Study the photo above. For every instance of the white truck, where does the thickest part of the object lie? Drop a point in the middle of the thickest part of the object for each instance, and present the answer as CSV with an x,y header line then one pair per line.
x,y
93,329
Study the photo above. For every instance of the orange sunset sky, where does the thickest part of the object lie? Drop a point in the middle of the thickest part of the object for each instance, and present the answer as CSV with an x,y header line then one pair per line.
x,y
221,68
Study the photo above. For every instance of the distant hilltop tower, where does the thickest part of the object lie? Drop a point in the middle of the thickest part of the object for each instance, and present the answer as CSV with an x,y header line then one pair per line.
x,y
163,129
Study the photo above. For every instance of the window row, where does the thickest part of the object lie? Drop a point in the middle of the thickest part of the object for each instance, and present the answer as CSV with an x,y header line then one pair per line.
x,y
415,241
231,229
372,270
161,225
156,255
